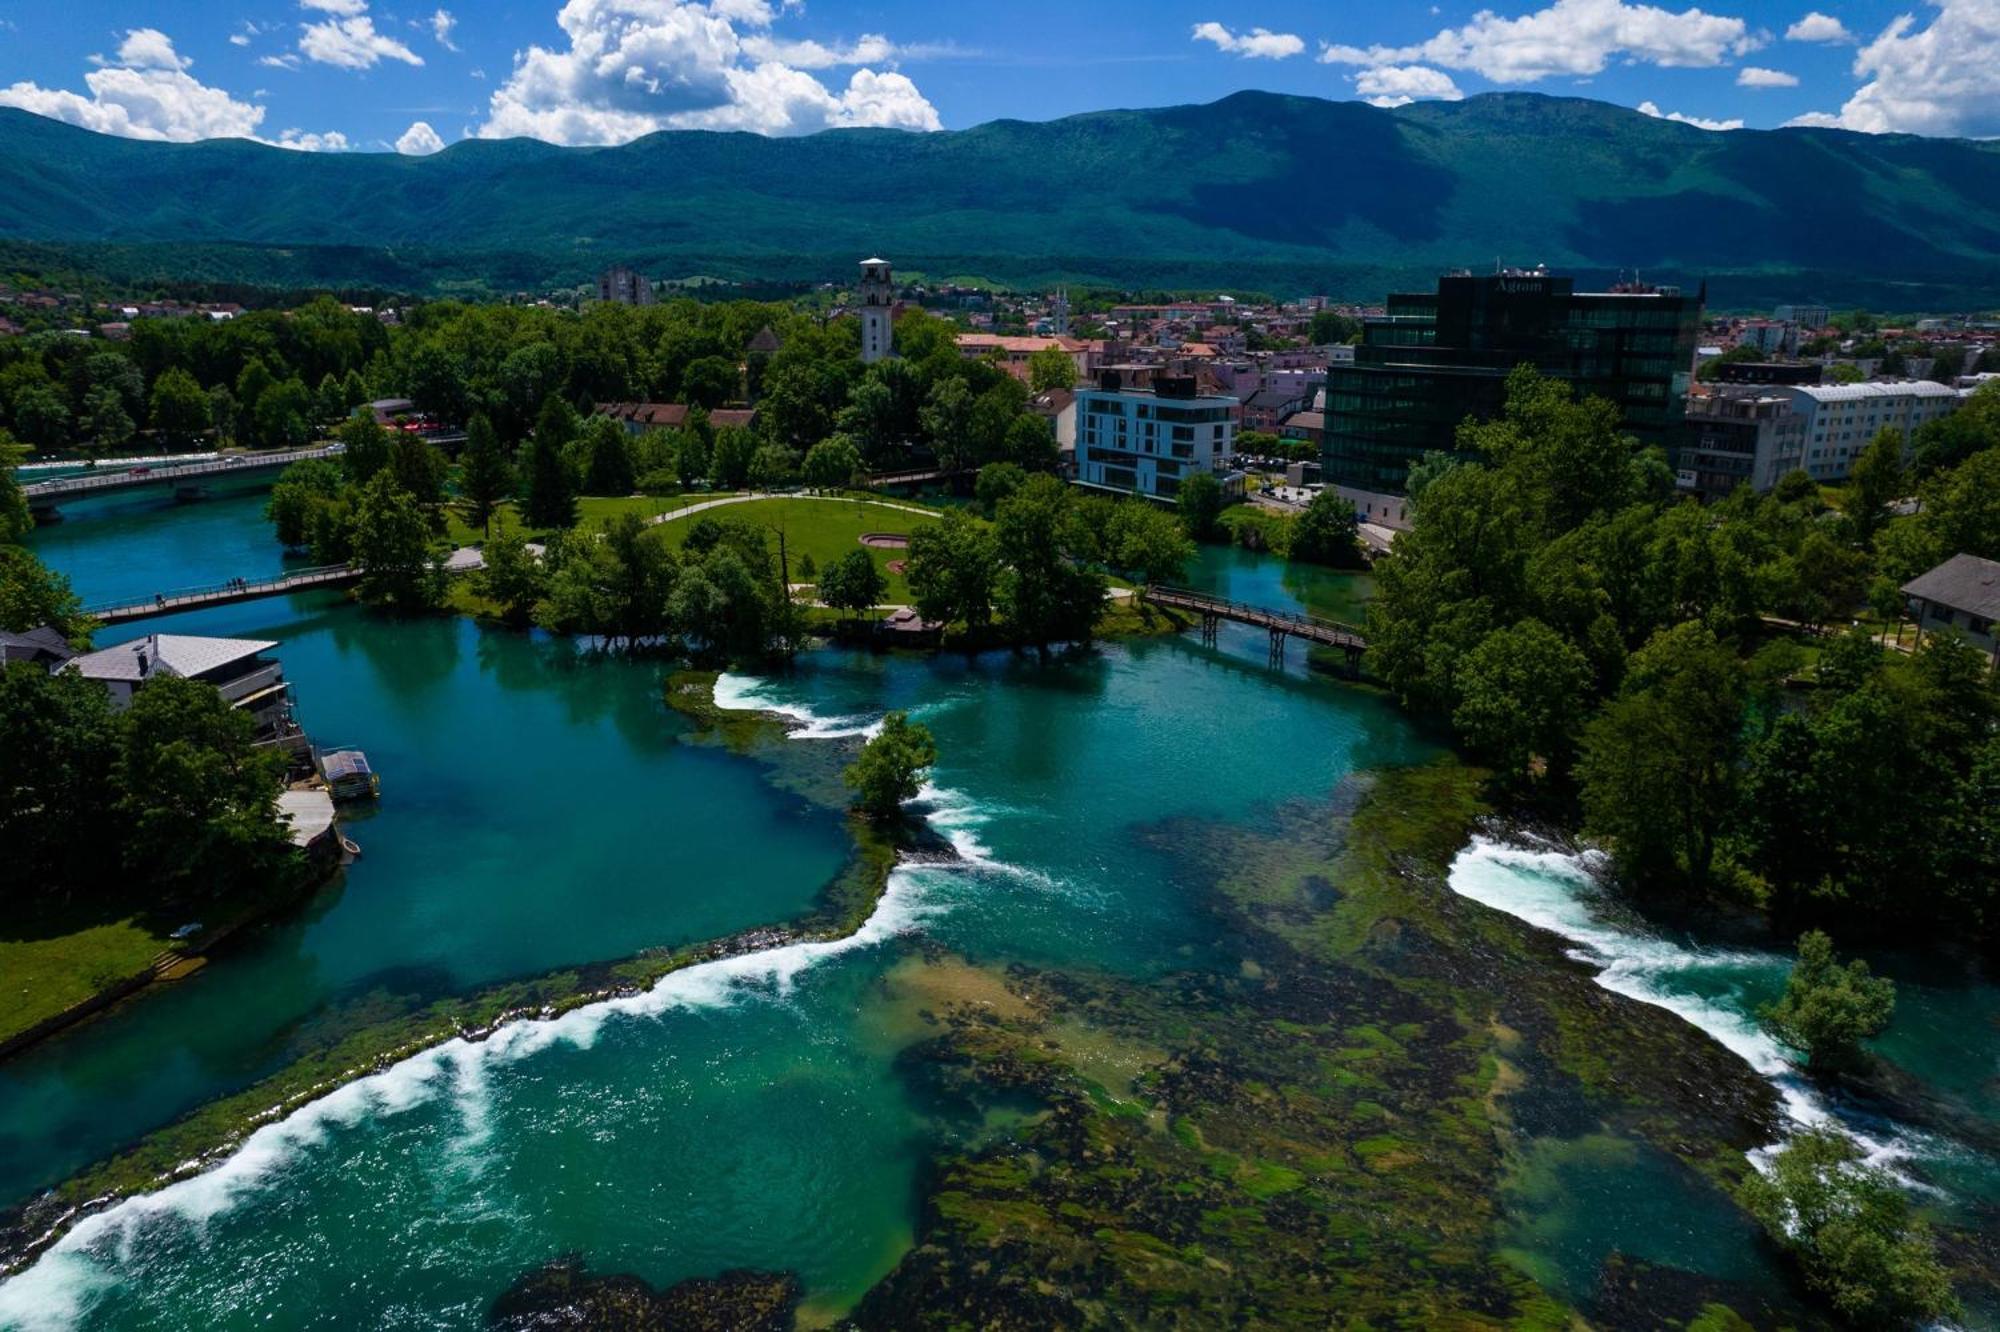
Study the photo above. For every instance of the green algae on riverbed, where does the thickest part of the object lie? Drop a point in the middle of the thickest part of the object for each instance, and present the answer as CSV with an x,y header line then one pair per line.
x,y
1332,1135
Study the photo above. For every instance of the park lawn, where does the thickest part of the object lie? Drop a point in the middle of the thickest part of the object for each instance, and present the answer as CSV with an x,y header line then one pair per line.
x,y
825,529
591,511
46,975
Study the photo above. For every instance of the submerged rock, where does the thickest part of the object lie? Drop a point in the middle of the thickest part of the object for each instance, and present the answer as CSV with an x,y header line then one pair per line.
x,y
563,1295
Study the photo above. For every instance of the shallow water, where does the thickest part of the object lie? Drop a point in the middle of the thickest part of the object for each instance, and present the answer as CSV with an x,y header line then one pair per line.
x,y
1945,1035
746,1113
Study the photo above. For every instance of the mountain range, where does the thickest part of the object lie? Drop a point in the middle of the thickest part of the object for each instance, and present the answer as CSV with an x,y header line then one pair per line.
x,y
1257,191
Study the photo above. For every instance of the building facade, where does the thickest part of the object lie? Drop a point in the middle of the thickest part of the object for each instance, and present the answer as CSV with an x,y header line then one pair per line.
x,y
624,286
1147,441
1433,359
1841,420
1739,437
878,303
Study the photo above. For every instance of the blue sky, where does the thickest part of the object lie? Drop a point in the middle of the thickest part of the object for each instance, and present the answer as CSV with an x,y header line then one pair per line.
x,y
370,75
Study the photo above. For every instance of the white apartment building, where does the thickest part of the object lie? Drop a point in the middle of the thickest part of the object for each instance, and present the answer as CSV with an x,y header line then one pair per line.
x,y
1842,419
1145,441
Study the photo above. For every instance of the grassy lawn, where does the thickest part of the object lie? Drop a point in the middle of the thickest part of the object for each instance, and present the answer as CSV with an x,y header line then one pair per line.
x,y
64,967
825,529
591,510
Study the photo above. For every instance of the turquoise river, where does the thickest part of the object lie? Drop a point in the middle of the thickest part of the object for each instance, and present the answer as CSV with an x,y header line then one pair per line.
x,y
543,808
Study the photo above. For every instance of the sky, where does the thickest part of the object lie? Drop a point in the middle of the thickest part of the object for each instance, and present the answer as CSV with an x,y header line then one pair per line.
x,y
395,75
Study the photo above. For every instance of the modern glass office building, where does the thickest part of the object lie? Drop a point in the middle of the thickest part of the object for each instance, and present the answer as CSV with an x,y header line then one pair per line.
x,y
1434,359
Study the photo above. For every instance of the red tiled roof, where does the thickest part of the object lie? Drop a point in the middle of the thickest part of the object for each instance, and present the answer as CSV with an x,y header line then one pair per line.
x,y
669,415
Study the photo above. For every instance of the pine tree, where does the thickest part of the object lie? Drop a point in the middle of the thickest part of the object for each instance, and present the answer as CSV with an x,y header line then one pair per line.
x,y
551,490
485,479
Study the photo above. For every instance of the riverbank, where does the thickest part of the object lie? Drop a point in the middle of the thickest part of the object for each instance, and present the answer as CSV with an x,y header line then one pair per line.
x,y
73,971
204,1139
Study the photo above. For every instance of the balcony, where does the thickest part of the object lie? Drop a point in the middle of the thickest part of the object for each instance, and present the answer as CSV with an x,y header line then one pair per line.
x,y
255,682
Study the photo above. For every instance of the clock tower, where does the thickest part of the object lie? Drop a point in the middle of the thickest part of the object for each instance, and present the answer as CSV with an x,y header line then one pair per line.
x,y
878,298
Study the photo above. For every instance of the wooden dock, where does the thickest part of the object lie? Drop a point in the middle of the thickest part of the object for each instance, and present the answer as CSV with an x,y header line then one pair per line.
x,y
1281,625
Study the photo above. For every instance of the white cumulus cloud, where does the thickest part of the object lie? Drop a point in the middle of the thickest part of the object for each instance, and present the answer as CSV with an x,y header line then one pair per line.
x,y
1256,44
144,92
351,43
332,141
631,67
1818,27
345,8
1940,79
1652,109
146,48
1399,85
442,24
419,140
1570,38
1754,76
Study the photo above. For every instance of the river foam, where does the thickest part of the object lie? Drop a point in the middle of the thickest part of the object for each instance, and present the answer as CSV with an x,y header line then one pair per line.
x,y
59,1288
1560,891
744,693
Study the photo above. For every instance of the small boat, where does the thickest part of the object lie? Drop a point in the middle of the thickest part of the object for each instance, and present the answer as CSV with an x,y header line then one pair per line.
x,y
348,775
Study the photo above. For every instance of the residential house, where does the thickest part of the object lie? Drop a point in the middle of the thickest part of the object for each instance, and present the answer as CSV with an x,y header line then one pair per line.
x,y
639,417
43,647
1963,593
235,666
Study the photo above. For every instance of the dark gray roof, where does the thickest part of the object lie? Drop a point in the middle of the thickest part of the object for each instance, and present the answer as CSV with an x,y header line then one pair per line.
x,y
1964,583
1274,399
34,645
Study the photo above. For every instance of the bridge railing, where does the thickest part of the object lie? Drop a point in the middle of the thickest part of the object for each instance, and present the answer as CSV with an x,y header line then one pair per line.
x,y
130,476
237,587
1245,611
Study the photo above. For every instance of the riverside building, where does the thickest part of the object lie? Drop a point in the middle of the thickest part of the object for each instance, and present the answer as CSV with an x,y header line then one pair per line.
x,y
1146,441
1432,359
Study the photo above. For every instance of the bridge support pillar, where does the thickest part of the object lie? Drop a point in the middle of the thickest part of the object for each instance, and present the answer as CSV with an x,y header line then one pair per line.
x,y
1210,625
44,514
1278,648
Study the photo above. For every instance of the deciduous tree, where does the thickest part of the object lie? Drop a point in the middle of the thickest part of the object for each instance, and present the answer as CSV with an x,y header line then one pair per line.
x,y
890,768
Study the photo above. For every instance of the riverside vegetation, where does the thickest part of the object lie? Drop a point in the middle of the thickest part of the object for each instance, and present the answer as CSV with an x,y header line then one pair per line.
x,y
1458,621
1632,664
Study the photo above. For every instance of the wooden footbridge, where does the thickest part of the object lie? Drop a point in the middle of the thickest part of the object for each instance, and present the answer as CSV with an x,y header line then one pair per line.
x,y
1281,625
225,594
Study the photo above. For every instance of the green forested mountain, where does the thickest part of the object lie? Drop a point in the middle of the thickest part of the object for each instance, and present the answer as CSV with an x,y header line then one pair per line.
x,y
1257,190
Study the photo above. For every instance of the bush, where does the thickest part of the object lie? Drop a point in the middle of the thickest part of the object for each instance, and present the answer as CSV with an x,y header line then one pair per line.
x,y
661,482
889,770
1827,1009
1852,1232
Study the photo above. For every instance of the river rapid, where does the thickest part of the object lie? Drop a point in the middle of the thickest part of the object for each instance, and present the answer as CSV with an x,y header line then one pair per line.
x,y
751,1112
